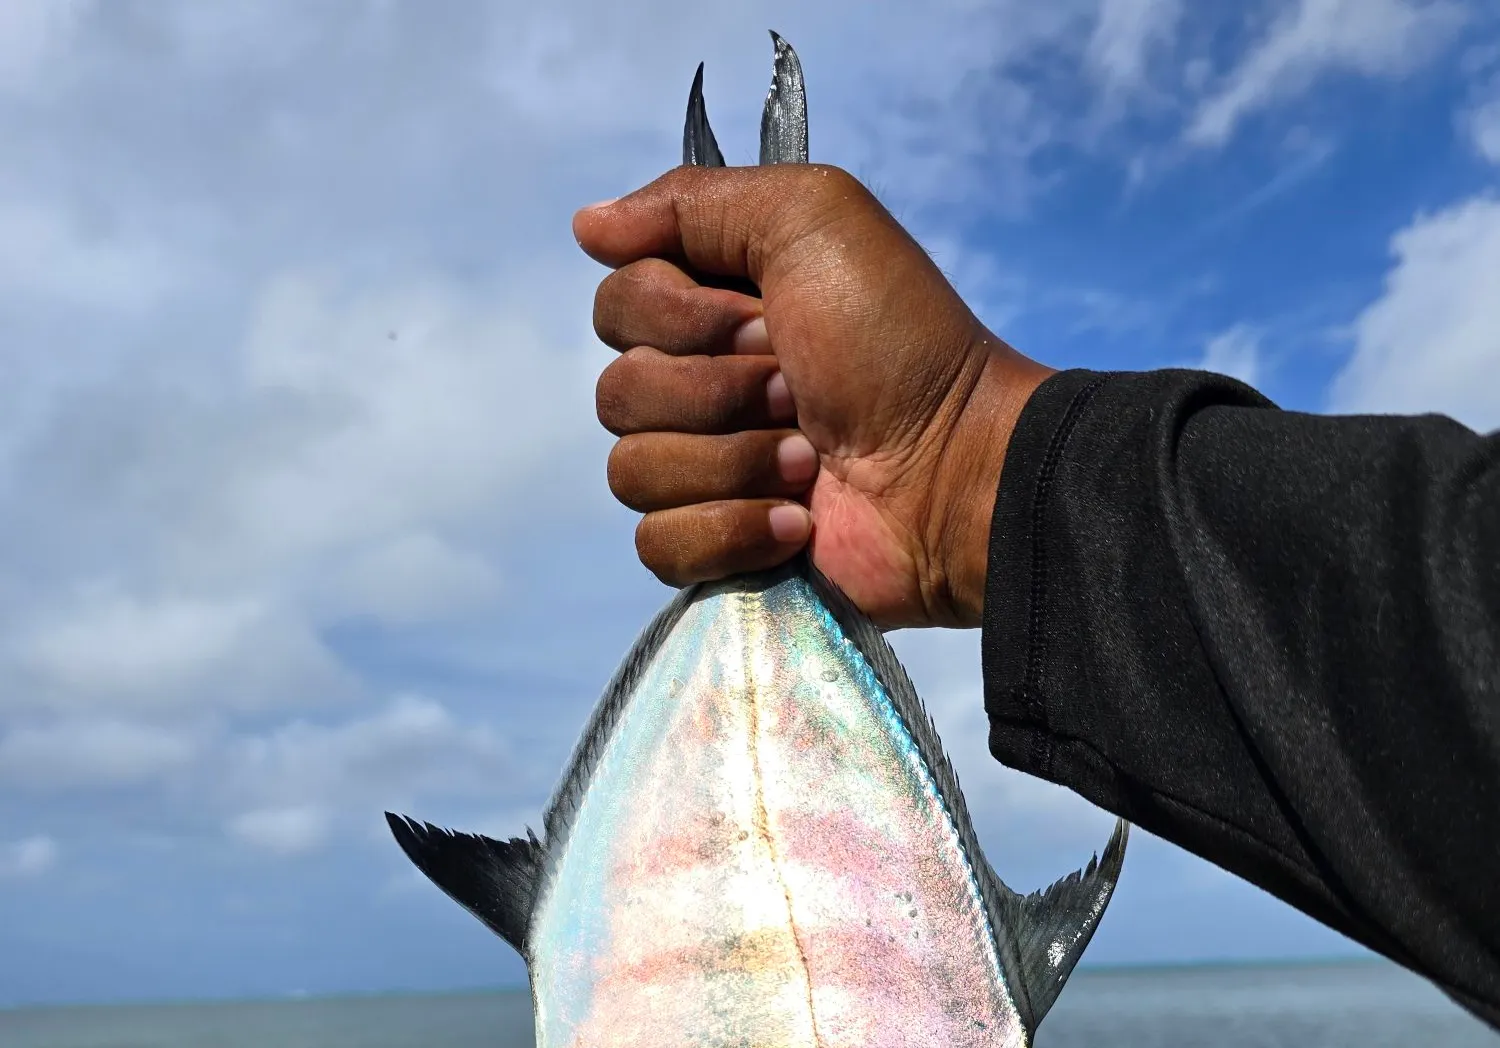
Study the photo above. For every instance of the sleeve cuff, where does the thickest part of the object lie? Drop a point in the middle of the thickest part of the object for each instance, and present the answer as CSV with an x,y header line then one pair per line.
x,y
1017,580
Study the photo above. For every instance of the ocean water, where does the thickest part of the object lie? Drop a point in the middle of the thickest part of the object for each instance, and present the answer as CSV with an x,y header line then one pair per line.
x,y
1365,1005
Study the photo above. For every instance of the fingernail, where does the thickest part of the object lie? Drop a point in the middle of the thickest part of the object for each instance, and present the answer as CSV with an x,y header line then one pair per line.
x,y
602,203
780,399
790,524
751,339
796,459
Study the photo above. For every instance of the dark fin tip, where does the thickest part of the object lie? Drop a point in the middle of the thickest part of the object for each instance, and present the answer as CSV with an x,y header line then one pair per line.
x,y
1051,928
494,880
698,145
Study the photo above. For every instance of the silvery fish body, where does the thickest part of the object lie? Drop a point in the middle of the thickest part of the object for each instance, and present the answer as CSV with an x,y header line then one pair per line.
x,y
758,841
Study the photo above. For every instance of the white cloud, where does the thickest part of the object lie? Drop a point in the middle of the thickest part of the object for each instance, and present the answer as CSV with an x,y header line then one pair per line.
x,y
1315,37
419,402
291,788
282,831
416,577
111,648
94,752
1482,123
115,642
1431,342
1125,38
44,253
412,747
28,857
359,457
1235,353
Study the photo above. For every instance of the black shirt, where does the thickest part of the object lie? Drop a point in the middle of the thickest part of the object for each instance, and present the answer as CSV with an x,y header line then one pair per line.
x,y
1271,638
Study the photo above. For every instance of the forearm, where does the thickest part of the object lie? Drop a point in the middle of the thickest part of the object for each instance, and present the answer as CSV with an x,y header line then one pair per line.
x,y
1268,637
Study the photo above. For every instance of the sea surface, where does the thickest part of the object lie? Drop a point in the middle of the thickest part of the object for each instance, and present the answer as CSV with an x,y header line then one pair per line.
x,y
1368,1005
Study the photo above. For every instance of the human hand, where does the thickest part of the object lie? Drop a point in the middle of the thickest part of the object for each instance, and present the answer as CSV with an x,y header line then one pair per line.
x,y
858,403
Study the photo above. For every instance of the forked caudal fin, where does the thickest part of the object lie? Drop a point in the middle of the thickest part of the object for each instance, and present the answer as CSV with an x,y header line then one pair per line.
x,y
494,880
783,122
1047,931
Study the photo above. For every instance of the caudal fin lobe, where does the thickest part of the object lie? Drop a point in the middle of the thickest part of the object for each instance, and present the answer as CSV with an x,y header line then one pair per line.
x,y
494,880
783,123
698,145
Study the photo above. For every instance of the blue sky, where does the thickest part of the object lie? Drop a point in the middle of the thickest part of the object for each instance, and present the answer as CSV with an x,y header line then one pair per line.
x,y
302,501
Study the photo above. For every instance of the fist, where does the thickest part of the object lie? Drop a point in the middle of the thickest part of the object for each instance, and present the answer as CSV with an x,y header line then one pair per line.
x,y
855,405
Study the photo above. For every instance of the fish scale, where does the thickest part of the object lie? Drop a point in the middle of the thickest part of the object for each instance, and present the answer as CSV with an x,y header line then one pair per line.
x,y
758,840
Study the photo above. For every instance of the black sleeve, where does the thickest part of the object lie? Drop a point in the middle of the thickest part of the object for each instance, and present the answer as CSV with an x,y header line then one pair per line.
x,y
1271,638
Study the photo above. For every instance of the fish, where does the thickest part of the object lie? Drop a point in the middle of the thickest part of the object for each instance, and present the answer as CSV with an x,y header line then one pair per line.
x,y
758,839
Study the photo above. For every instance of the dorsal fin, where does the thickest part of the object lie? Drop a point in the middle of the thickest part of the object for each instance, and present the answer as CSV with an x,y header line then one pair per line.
x,y
1049,930
494,880
783,123
698,145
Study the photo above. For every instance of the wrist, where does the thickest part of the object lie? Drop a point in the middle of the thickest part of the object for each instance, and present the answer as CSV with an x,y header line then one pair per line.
x,y
967,479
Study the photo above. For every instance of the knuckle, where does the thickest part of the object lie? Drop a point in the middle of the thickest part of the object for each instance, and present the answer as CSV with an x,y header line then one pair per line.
x,y
617,391
626,292
686,181
611,403
607,308
724,521
659,550
650,554
622,470
824,185
815,199
678,179
744,456
827,178
647,274
601,321
739,533
712,386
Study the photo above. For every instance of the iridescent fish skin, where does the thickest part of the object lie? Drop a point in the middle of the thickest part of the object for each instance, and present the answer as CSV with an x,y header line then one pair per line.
x,y
758,840
763,852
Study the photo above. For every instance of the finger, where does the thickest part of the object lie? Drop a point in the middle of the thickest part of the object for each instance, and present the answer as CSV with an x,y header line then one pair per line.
x,y
657,471
725,221
718,539
645,390
652,302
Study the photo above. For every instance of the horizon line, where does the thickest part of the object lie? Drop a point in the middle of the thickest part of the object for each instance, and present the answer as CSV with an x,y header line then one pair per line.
x,y
294,996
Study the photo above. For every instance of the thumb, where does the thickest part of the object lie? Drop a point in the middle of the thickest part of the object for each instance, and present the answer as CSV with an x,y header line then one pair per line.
x,y
731,222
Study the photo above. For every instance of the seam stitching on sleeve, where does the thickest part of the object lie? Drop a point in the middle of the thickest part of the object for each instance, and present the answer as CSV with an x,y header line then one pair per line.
x,y
1036,650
